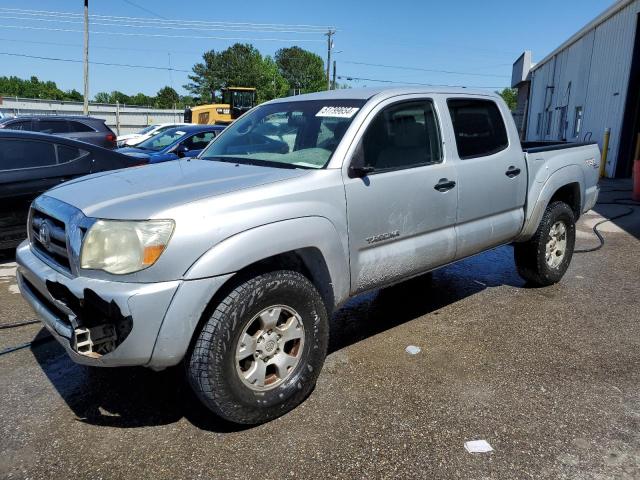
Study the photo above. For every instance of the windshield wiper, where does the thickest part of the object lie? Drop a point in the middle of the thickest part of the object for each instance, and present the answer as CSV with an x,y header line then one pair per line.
x,y
257,162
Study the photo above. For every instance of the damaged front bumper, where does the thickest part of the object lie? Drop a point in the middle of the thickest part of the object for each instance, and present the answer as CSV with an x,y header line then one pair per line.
x,y
98,322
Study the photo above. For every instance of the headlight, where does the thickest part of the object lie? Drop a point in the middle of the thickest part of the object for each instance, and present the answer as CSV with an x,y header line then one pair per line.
x,y
121,247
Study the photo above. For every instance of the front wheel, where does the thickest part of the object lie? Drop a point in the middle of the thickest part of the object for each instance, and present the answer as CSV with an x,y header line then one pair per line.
x,y
259,354
544,259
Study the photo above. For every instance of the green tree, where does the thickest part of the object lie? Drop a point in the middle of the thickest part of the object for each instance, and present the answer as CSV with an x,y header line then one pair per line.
x,y
142,100
102,97
167,97
510,96
240,65
302,69
34,88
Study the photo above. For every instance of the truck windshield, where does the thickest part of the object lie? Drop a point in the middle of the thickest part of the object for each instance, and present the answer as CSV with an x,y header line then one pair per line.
x,y
302,134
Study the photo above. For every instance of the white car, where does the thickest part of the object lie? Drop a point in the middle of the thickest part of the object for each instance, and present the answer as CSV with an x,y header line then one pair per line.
x,y
132,139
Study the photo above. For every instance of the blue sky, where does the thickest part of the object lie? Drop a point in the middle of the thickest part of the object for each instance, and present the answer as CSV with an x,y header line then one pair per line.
x,y
477,39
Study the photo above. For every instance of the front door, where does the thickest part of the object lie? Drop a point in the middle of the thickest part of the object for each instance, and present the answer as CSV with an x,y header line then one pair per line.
x,y
401,216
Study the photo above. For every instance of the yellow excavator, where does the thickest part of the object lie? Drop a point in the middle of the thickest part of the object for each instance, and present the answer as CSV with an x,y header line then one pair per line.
x,y
235,102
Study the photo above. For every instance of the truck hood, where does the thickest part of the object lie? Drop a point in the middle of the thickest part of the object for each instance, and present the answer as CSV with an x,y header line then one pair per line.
x,y
142,192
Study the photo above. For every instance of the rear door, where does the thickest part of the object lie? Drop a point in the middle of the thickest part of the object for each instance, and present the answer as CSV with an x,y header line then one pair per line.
x,y
401,216
491,172
51,126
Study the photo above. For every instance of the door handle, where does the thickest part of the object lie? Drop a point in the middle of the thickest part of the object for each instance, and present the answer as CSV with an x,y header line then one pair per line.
x,y
444,184
512,172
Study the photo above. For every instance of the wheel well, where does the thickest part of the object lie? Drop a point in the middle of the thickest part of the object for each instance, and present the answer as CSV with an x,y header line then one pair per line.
x,y
569,194
307,261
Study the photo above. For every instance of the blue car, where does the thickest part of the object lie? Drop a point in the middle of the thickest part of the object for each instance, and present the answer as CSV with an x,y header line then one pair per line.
x,y
179,142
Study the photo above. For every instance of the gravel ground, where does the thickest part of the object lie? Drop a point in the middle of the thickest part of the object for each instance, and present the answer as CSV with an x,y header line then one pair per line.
x,y
549,377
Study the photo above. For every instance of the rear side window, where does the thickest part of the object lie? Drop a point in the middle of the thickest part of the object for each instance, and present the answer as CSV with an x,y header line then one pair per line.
x,y
52,126
79,127
17,154
69,154
478,127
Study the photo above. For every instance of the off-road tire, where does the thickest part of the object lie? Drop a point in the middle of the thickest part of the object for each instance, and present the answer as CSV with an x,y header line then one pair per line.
x,y
211,367
530,255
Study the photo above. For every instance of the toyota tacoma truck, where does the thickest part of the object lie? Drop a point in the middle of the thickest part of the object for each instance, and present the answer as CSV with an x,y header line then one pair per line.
x,y
231,263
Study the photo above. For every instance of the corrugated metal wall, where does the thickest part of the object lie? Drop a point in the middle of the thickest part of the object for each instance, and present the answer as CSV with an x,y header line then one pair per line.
x,y
592,73
131,118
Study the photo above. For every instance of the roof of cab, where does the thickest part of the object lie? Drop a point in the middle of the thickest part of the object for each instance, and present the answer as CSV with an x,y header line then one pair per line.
x,y
384,92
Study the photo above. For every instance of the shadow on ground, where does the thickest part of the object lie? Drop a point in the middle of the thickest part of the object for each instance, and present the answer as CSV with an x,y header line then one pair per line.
x,y
137,397
615,201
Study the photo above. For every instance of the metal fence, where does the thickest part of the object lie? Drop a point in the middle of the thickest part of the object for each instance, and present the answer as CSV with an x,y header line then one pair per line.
x,y
122,119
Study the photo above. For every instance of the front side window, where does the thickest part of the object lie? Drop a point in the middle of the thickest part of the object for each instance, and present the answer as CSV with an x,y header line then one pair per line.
x,y
19,125
478,127
199,141
296,134
402,136
18,154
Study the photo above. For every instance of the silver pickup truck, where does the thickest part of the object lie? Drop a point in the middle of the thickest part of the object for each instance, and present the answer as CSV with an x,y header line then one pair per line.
x,y
233,262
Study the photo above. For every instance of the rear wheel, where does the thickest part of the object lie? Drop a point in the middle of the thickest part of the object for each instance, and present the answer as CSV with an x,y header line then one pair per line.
x,y
259,354
544,258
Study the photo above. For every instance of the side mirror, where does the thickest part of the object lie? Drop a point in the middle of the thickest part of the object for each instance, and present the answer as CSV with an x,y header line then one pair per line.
x,y
181,151
357,168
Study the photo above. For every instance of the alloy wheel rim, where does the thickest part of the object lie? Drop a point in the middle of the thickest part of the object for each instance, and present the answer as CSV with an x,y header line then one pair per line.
x,y
556,247
270,347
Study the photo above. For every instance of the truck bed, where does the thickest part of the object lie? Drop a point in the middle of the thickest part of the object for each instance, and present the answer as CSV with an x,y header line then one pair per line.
x,y
546,146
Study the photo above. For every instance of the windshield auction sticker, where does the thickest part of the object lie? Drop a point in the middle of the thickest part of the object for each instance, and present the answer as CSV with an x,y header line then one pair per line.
x,y
337,112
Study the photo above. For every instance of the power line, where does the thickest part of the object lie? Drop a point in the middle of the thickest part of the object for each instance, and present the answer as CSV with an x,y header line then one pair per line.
x,y
162,27
45,13
145,9
72,60
360,79
159,35
419,69
105,47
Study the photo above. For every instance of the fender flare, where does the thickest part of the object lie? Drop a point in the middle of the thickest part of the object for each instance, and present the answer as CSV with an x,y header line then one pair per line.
x,y
535,208
247,247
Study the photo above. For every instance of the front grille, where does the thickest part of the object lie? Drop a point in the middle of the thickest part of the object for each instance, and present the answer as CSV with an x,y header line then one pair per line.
x,y
49,238
46,303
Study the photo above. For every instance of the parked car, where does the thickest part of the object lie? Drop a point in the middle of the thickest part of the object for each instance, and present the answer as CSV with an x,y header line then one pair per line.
x,y
174,143
234,263
31,163
133,139
86,129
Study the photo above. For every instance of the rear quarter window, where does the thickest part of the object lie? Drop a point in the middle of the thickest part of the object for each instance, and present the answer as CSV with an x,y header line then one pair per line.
x,y
79,127
478,127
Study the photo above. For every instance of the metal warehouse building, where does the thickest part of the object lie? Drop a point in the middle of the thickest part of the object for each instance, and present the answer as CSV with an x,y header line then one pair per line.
x,y
587,85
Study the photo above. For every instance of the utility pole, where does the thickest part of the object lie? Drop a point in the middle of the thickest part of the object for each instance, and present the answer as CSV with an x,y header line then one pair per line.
x,y
85,106
329,35
333,83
